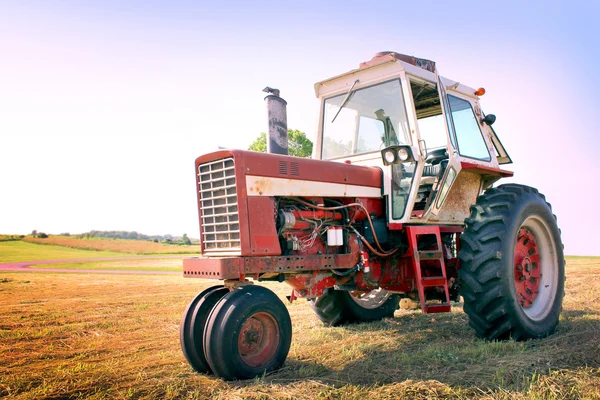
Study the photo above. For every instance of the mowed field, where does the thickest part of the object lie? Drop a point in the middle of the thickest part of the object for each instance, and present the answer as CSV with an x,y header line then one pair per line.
x,y
114,245
117,336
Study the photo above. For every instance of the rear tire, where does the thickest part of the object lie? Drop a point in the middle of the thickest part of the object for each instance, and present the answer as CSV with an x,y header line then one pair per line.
x,y
248,333
337,307
512,265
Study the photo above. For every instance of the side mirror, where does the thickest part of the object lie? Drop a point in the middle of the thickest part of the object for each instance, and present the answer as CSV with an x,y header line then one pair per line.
x,y
489,119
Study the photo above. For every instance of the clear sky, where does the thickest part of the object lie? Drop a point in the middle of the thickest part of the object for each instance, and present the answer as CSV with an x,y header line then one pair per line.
x,y
104,105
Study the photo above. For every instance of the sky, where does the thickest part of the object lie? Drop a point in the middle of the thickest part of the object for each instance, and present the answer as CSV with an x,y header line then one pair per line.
x,y
104,105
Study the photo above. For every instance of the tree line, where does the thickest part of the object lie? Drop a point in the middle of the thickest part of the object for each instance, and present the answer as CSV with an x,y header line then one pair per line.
x,y
130,235
133,235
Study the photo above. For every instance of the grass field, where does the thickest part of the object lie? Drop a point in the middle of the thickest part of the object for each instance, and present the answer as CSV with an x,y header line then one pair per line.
x,y
127,265
114,245
107,336
22,251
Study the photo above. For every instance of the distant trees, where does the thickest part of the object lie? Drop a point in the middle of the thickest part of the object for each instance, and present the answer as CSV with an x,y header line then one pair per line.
x,y
40,235
298,144
133,235
10,238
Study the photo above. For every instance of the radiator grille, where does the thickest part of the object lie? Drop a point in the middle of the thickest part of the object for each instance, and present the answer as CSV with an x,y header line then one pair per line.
x,y
218,203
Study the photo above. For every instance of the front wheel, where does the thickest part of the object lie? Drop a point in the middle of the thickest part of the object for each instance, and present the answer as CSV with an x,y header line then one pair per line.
x,y
192,325
512,267
248,333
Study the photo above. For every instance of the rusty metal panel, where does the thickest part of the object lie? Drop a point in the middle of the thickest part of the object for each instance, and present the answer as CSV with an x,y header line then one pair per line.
x,y
263,235
306,169
387,56
486,170
235,267
461,197
298,263
212,268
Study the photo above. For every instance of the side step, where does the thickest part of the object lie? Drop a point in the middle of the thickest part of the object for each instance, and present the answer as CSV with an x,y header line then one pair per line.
x,y
422,281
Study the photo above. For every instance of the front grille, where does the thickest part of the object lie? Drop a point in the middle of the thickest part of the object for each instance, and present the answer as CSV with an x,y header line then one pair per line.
x,y
218,202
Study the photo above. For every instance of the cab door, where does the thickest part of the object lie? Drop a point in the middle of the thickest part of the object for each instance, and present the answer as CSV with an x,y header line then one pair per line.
x,y
452,165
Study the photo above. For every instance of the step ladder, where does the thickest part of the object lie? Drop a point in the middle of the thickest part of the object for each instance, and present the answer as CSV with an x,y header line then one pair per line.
x,y
439,280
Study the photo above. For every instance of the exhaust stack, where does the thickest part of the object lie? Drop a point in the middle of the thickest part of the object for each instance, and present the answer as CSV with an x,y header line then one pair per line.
x,y
277,137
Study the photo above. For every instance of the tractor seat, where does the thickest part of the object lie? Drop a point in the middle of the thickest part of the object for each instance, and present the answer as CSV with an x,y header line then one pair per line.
x,y
435,171
436,156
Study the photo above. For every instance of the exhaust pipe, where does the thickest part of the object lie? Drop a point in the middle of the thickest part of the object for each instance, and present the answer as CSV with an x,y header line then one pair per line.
x,y
277,137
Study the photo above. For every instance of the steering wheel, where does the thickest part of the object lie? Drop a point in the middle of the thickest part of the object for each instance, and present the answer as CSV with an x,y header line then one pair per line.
x,y
436,156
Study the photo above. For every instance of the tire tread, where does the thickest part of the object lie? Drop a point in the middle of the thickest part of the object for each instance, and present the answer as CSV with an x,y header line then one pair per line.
x,y
487,300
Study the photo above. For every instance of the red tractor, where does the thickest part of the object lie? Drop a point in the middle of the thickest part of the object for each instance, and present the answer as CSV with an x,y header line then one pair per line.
x,y
396,202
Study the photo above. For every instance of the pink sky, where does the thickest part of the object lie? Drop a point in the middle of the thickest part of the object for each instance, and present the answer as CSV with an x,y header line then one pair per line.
x,y
105,105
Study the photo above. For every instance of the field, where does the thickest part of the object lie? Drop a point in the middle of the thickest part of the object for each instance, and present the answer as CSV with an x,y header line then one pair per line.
x,y
114,245
16,251
116,336
133,264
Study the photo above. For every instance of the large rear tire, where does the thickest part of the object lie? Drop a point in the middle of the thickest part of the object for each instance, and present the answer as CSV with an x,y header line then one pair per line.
x,y
248,333
512,265
337,307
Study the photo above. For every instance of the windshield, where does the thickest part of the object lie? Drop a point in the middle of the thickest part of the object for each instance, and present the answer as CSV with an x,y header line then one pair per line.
x,y
372,118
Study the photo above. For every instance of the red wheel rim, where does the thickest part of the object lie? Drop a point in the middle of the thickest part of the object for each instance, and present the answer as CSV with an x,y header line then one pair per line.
x,y
258,339
527,270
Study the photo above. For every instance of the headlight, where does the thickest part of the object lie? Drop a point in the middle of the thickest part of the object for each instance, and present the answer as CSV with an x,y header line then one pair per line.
x,y
389,156
403,154
397,154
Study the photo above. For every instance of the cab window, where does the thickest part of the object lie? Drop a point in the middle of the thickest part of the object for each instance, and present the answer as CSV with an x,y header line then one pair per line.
x,y
468,135
364,120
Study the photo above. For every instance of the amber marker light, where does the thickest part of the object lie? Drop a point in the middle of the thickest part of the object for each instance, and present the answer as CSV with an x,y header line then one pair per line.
x,y
480,92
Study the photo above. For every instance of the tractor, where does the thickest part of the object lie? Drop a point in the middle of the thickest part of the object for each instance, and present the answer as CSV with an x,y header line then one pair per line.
x,y
397,203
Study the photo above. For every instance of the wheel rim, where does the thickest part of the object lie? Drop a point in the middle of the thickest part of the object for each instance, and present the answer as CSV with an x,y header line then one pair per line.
x,y
258,339
370,300
535,268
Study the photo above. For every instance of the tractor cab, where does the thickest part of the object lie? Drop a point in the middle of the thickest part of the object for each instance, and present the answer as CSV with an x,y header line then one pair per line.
x,y
428,134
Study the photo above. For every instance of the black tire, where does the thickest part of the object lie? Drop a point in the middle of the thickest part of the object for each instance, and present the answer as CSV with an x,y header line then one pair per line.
x,y
193,321
337,307
248,333
512,227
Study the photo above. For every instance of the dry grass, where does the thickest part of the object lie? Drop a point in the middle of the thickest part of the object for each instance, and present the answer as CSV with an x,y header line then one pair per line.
x,y
99,336
134,264
115,245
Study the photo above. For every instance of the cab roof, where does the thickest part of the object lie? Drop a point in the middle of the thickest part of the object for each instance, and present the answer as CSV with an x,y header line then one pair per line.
x,y
388,62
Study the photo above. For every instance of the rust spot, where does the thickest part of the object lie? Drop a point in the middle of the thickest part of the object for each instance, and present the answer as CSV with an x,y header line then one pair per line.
x,y
261,186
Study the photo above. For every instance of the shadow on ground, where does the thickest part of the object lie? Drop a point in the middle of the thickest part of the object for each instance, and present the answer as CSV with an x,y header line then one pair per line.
x,y
445,349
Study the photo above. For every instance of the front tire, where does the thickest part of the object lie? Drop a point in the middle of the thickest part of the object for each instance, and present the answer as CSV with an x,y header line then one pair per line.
x,y
248,333
337,307
512,265
193,321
